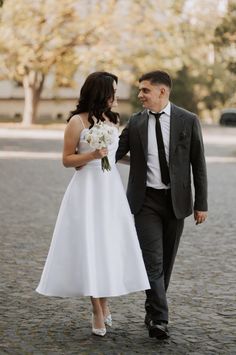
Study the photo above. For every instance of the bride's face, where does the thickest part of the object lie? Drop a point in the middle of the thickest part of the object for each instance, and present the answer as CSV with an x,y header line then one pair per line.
x,y
113,102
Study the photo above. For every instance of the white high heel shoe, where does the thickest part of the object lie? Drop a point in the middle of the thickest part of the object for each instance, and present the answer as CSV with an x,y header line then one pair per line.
x,y
108,320
98,331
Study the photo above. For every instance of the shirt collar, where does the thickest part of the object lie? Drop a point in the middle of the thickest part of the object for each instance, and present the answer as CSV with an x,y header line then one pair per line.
x,y
166,110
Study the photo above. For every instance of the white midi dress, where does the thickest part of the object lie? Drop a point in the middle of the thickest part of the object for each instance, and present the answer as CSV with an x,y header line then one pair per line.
x,y
94,250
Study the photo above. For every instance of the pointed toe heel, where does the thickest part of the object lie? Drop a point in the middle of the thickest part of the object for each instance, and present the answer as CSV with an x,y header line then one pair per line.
x,y
98,331
101,332
108,320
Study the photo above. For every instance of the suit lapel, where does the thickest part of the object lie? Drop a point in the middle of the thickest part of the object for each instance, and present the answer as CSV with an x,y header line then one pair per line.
x,y
143,131
176,127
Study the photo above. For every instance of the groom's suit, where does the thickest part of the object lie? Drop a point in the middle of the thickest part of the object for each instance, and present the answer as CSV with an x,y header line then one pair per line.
x,y
159,214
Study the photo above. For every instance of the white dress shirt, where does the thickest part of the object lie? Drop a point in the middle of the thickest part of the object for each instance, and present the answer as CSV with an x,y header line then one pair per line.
x,y
153,166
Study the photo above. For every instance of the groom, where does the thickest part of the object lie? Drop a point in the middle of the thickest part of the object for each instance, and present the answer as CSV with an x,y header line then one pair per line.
x,y
165,144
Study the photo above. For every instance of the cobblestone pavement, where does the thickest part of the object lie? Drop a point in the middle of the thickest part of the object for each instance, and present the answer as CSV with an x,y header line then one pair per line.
x,y
202,291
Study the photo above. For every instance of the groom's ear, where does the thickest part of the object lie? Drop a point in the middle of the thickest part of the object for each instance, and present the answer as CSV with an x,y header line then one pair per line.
x,y
163,90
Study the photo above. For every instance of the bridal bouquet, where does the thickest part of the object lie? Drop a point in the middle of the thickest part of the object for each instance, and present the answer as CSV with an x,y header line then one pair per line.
x,y
98,137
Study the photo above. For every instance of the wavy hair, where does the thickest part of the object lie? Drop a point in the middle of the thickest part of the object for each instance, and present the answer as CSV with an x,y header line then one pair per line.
x,y
95,94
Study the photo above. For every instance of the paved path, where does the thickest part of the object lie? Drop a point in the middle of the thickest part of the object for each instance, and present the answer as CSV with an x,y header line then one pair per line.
x,y
203,286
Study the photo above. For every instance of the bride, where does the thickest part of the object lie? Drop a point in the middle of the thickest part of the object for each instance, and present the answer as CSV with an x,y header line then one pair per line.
x,y
94,250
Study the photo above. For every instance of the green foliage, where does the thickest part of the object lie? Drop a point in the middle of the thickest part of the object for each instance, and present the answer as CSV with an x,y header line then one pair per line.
x,y
217,92
183,93
225,37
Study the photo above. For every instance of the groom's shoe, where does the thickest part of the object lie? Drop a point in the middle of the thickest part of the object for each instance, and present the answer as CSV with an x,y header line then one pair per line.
x,y
147,320
158,330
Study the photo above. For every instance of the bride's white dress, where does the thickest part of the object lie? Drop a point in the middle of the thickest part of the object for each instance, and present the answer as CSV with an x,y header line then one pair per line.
x,y
94,249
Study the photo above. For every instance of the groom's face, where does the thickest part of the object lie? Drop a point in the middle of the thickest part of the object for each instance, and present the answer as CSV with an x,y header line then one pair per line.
x,y
151,95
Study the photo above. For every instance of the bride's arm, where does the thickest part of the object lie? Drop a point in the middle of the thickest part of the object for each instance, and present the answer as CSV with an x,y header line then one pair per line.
x,y
71,139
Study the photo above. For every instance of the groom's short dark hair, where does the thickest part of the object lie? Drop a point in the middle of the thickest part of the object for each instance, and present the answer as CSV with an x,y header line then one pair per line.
x,y
157,77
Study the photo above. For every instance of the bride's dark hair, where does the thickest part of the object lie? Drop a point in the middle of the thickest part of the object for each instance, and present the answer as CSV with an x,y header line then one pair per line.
x,y
94,97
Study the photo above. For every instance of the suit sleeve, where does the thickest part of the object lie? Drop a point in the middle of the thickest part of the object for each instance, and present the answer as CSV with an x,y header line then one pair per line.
x,y
198,163
123,147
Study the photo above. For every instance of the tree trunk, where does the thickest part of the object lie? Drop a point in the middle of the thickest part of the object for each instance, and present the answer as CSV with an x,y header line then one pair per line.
x,y
33,85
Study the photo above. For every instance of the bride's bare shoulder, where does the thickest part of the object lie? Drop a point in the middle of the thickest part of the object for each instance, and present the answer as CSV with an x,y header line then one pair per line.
x,y
79,120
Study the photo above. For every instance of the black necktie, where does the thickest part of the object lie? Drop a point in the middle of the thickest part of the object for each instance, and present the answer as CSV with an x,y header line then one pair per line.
x,y
165,176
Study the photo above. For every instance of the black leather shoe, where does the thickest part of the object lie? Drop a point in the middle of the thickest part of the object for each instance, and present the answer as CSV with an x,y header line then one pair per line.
x,y
158,330
147,320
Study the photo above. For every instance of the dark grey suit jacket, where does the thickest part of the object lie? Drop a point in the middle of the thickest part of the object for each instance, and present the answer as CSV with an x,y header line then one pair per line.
x,y
186,154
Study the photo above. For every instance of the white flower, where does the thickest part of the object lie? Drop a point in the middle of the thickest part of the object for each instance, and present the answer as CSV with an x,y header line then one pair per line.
x,y
100,136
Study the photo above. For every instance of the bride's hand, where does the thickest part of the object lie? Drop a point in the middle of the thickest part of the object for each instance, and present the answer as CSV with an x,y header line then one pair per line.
x,y
100,153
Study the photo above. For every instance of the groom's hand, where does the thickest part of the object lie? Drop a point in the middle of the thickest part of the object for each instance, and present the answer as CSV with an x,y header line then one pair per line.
x,y
200,216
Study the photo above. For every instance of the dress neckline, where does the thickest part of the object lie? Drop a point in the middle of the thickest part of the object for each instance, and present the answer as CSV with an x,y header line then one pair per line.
x,y
86,128
105,122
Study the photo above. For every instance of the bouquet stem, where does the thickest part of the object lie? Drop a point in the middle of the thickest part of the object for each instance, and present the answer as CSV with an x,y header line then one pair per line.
x,y
105,164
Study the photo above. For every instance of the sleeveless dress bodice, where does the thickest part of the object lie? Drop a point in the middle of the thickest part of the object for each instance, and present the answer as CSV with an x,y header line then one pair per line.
x,y
83,147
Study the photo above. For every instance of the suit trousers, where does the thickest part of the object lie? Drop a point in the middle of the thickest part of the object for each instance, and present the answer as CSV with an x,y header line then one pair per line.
x,y
159,233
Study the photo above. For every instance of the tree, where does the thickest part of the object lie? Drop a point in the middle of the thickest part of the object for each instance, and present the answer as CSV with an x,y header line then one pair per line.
x,y
127,37
225,37
201,77
38,36
152,42
60,37
153,36
183,90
